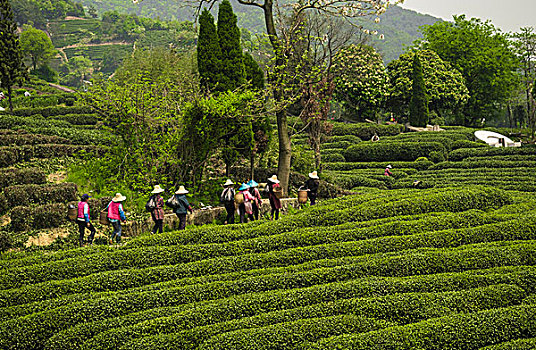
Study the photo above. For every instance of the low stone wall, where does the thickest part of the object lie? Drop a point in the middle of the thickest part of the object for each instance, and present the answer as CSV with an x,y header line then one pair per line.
x,y
200,217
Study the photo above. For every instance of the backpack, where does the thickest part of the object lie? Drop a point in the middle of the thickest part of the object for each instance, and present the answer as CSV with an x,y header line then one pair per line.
x,y
151,204
227,196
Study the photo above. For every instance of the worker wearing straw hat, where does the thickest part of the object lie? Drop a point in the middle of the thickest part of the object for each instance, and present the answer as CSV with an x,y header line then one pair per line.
x,y
116,215
257,199
156,205
387,171
183,207
227,199
312,185
245,207
275,202
83,220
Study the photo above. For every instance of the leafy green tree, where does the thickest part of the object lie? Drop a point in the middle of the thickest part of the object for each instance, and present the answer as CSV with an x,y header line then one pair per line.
x,y
141,107
208,52
74,72
37,45
482,54
232,62
254,73
12,70
282,50
361,80
418,105
445,87
524,45
92,11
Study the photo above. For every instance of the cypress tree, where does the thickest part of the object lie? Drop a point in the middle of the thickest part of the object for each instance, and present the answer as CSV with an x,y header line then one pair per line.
x,y
232,63
254,73
12,70
418,107
208,51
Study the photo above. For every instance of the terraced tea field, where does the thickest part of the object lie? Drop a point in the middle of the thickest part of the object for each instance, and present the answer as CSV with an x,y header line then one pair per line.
x,y
442,268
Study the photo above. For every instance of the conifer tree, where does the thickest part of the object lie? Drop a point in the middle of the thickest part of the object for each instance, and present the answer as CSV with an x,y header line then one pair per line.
x,y
254,73
12,70
208,52
418,107
232,63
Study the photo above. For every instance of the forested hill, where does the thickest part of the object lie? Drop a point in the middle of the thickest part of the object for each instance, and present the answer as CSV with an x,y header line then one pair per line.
x,y
400,26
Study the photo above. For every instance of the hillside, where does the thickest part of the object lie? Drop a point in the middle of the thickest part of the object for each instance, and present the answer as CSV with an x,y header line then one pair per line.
x,y
400,26
446,264
105,42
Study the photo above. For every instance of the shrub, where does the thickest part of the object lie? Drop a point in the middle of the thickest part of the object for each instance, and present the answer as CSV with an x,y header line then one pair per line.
x,y
30,139
45,216
484,163
51,111
365,131
37,328
467,144
462,153
518,344
79,119
437,157
465,331
10,177
24,195
332,157
408,151
422,164
13,155
336,145
338,138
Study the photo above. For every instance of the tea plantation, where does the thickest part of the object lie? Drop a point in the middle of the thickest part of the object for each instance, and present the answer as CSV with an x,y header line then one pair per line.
x,y
45,133
449,264
442,268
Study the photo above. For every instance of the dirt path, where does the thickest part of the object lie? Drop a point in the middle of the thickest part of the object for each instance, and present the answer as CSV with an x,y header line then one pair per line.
x,y
95,44
65,59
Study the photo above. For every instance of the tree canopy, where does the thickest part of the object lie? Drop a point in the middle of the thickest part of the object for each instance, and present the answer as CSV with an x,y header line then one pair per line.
x,y
418,105
444,85
361,80
232,63
483,56
37,45
208,51
12,69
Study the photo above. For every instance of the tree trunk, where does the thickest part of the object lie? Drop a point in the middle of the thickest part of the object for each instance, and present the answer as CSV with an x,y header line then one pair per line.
x,y
252,165
9,93
509,108
285,151
318,159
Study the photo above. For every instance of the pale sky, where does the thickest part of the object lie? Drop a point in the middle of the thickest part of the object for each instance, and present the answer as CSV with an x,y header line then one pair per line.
x,y
507,15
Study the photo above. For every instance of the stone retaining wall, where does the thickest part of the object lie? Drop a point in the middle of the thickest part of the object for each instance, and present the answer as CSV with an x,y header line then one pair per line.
x,y
200,217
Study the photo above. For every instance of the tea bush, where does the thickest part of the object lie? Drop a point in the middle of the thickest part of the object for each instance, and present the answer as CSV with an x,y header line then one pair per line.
x,y
407,151
365,131
10,177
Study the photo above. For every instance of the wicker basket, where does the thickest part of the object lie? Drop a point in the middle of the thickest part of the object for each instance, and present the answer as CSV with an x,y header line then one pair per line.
x,y
302,196
72,212
239,198
278,192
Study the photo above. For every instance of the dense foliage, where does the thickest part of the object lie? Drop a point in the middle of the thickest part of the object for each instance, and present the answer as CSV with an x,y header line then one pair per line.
x,y
418,104
358,272
12,69
445,86
481,53
361,83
